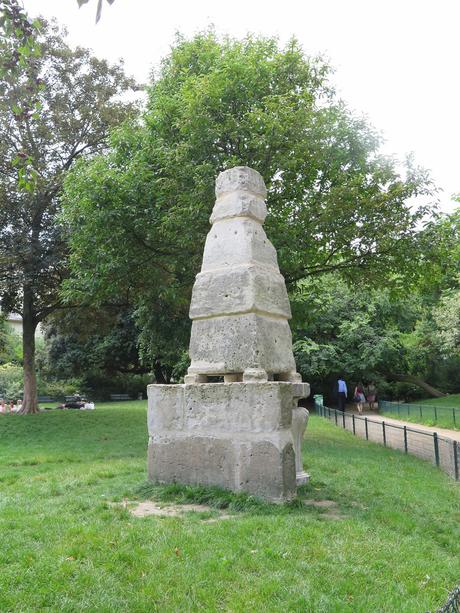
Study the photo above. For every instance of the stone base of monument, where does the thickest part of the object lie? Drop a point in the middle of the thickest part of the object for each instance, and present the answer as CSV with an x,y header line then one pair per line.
x,y
233,435
302,478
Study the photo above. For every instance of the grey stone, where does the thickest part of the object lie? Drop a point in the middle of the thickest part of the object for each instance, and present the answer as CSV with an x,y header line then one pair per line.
x,y
222,345
234,435
240,178
244,289
244,434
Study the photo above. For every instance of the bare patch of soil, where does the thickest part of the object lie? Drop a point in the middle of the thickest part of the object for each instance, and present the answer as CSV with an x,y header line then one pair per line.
x,y
149,507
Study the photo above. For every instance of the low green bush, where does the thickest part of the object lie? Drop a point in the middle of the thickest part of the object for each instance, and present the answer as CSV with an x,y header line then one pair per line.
x,y
11,381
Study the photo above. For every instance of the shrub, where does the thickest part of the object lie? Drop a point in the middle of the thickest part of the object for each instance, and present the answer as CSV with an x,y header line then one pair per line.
x,y
11,381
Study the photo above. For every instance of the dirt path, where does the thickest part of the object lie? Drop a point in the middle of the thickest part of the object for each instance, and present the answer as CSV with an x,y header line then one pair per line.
x,y
413,438
445,432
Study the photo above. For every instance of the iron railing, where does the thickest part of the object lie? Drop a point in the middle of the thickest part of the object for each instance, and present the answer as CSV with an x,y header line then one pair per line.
x,y
453,603
442,451
420,411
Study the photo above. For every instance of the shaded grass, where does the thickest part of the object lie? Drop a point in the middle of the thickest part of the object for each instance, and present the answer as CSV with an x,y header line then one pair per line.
x,y
65,546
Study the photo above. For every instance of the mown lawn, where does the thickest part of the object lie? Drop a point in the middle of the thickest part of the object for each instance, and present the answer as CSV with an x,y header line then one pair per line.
x,y
392,544
424,412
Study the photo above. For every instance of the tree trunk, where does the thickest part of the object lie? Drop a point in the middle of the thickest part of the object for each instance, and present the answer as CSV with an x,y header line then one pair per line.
x,y
29,325
420,383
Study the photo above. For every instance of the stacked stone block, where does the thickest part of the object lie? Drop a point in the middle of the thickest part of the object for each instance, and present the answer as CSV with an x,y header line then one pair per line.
x,y
236,433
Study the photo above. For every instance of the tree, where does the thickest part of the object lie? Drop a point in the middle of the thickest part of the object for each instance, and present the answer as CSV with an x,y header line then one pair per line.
x,y
99,6
54,108
334,202
89,339
363,334
440,246
447,317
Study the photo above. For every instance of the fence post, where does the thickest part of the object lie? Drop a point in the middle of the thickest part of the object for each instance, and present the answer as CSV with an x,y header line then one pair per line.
x,y
420,406
353,420
384,434
436,447
367,431
456,459
435,414
343,420
399,409
335,416
405,439
453,415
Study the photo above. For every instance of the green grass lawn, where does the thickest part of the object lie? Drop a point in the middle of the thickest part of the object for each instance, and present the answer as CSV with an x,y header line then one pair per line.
x,y
423,412
392,544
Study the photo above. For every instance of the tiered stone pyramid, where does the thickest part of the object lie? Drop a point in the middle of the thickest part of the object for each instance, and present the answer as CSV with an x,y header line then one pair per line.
x,y
240,307
244,433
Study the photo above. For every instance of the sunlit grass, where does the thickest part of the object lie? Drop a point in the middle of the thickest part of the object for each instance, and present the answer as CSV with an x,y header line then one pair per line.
x,y
445,415
391,544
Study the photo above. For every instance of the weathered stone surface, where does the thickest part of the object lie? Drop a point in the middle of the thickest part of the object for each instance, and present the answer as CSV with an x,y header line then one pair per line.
x,y
237,241
267,470
239,434
220,408
240,178
239,204
234,344
299,425
240,307
203,460
247,288
236,435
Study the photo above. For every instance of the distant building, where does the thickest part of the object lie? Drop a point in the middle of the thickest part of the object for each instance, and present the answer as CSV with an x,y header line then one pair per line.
x,y
15,322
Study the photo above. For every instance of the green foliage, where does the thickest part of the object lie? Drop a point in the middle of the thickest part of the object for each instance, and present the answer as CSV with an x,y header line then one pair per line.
x,y
77,107
11,384
56,105
349,331
10,344
100,347
447,318
19,53
139,215
398,339
59,389
440,247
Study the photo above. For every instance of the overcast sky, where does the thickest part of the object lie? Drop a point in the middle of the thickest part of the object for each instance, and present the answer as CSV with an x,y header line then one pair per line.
x,y
396,61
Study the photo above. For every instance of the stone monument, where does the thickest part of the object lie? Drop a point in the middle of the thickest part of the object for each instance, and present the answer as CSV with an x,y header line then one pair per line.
x,y
243,433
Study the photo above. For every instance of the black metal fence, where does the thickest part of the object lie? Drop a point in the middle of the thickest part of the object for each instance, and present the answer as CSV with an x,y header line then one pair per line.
x,y
453,603
421,411
443,452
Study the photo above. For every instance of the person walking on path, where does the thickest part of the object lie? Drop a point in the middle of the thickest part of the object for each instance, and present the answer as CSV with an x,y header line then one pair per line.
x,y
371,393
342,393
359,397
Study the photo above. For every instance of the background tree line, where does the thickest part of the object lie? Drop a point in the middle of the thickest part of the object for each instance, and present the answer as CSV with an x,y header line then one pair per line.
x,y
373,281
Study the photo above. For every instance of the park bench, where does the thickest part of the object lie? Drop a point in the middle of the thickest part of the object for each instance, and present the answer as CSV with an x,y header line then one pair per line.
x,y
46,399
120,397
71,398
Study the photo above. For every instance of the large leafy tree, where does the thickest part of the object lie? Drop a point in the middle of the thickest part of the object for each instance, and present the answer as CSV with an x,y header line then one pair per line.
x,y
364,335
55,106
141,212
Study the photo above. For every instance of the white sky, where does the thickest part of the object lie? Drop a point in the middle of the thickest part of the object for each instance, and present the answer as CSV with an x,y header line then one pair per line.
x,y
397,61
